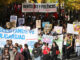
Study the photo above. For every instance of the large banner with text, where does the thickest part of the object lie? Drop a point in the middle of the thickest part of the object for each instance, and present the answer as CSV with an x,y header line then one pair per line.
x,y
20,35
35,7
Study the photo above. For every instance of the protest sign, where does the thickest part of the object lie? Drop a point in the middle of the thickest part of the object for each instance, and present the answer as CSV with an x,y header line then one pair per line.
x,y
13,18
13,21
44,23
21,21
70,29
38,23
77,27
58,29
47,28
18,35
47,39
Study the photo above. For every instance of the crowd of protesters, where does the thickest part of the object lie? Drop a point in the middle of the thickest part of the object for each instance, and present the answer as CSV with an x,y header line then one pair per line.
x,y
41,50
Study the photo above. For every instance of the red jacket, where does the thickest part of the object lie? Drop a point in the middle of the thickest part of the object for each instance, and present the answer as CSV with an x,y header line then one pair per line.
x,y
46,50
19,56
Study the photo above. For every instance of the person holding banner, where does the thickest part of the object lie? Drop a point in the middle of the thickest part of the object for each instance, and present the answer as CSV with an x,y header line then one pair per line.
x,y
6,55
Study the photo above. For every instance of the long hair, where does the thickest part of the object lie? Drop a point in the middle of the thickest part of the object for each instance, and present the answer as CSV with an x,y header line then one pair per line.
x,y
55,45
4,51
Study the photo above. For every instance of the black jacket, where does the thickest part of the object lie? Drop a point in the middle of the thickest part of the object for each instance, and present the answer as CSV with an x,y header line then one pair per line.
x,y
37,53
26,54
53,50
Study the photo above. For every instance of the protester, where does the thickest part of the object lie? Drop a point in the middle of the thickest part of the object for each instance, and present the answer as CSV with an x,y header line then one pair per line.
x,y
36,52
21,49
77,46
18,56
17,45
7,44
64,47
54,50
68,46
10,42
46,51
26,53
12,55
6,55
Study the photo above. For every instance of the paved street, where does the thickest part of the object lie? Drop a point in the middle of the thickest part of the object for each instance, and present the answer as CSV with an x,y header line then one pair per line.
x,y
75,58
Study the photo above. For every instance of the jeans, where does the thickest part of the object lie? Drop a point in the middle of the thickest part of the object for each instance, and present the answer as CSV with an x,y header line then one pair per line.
x,y
38,58
78,50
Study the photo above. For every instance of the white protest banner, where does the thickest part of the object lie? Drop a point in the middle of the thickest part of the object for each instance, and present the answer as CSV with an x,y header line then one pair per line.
x,y
70,29
58,29
47,39
19,35
26,27
13,18
38,23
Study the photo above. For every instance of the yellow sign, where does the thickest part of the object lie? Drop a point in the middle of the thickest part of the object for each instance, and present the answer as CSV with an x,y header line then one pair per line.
x,y
76,28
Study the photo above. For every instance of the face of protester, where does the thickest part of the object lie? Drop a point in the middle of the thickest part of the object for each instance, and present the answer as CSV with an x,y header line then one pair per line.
x,y
6,51
77,37
54,44
45,45
10,42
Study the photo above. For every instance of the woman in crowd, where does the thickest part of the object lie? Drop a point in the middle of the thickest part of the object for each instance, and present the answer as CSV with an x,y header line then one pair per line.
x,y
21,49
17,45
6,55
26,53
37,52
46,51
77,46
53,50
